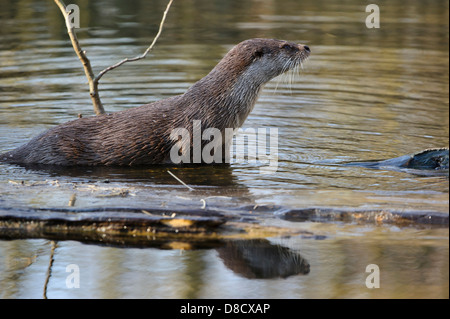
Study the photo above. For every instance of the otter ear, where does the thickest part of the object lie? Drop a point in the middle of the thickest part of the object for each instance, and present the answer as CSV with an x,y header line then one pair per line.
x,y
258,53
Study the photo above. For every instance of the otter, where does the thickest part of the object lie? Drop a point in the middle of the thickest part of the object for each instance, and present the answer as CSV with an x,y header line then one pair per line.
x,y
144,135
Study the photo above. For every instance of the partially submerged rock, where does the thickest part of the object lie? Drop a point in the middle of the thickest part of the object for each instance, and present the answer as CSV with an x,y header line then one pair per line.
x,y
430,159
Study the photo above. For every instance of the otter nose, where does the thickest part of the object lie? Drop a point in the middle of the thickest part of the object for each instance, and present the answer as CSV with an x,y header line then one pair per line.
x,y
307,49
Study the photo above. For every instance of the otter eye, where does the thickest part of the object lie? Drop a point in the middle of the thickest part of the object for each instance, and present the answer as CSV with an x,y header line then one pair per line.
x,y
287,46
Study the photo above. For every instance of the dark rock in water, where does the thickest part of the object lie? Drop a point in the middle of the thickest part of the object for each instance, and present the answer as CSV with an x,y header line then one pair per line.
x,y
431,159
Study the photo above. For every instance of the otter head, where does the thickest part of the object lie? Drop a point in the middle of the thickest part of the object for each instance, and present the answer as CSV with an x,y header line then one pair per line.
x,y
268,58
253,63
229,92
257,61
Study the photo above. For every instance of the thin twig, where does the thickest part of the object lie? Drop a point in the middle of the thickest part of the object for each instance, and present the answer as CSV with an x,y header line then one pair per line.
x,y
72,200
93,86
139,57
49,268
94,80
190,188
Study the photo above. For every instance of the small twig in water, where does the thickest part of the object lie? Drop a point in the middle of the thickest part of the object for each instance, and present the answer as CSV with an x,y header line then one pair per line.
x,y
190,188
49,268
72,200
148,213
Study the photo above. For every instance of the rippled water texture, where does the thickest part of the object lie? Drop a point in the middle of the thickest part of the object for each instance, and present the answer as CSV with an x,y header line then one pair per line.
x,y
364,94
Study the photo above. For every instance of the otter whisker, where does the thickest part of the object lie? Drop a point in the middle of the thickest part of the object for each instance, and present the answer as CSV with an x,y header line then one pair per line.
x,y
290,70
291,74
281,77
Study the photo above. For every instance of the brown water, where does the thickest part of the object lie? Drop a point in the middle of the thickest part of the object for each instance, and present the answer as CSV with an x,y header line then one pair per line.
x,y
364,94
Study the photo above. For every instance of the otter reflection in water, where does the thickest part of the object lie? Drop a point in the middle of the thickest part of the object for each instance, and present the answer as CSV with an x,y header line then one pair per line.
x,y
261,259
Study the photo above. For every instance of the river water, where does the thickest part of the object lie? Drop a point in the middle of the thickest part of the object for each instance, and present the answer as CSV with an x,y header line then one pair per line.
x,y
364,94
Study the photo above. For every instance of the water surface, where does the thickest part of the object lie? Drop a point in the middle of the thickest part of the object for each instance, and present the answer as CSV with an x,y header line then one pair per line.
x,y
364,94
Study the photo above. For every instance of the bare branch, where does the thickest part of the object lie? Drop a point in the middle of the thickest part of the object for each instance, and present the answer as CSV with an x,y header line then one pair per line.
x,y
93,85
94,80
99,76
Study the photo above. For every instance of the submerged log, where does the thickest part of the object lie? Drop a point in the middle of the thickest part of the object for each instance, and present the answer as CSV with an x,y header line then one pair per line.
x,y
108,226
367,216
164,228
186,228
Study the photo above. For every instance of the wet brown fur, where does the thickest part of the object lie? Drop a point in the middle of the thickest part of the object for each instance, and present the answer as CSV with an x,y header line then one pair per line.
x,y
141,135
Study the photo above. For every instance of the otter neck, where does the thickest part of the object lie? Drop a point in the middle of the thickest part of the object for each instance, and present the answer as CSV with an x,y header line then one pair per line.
x,y
227,95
